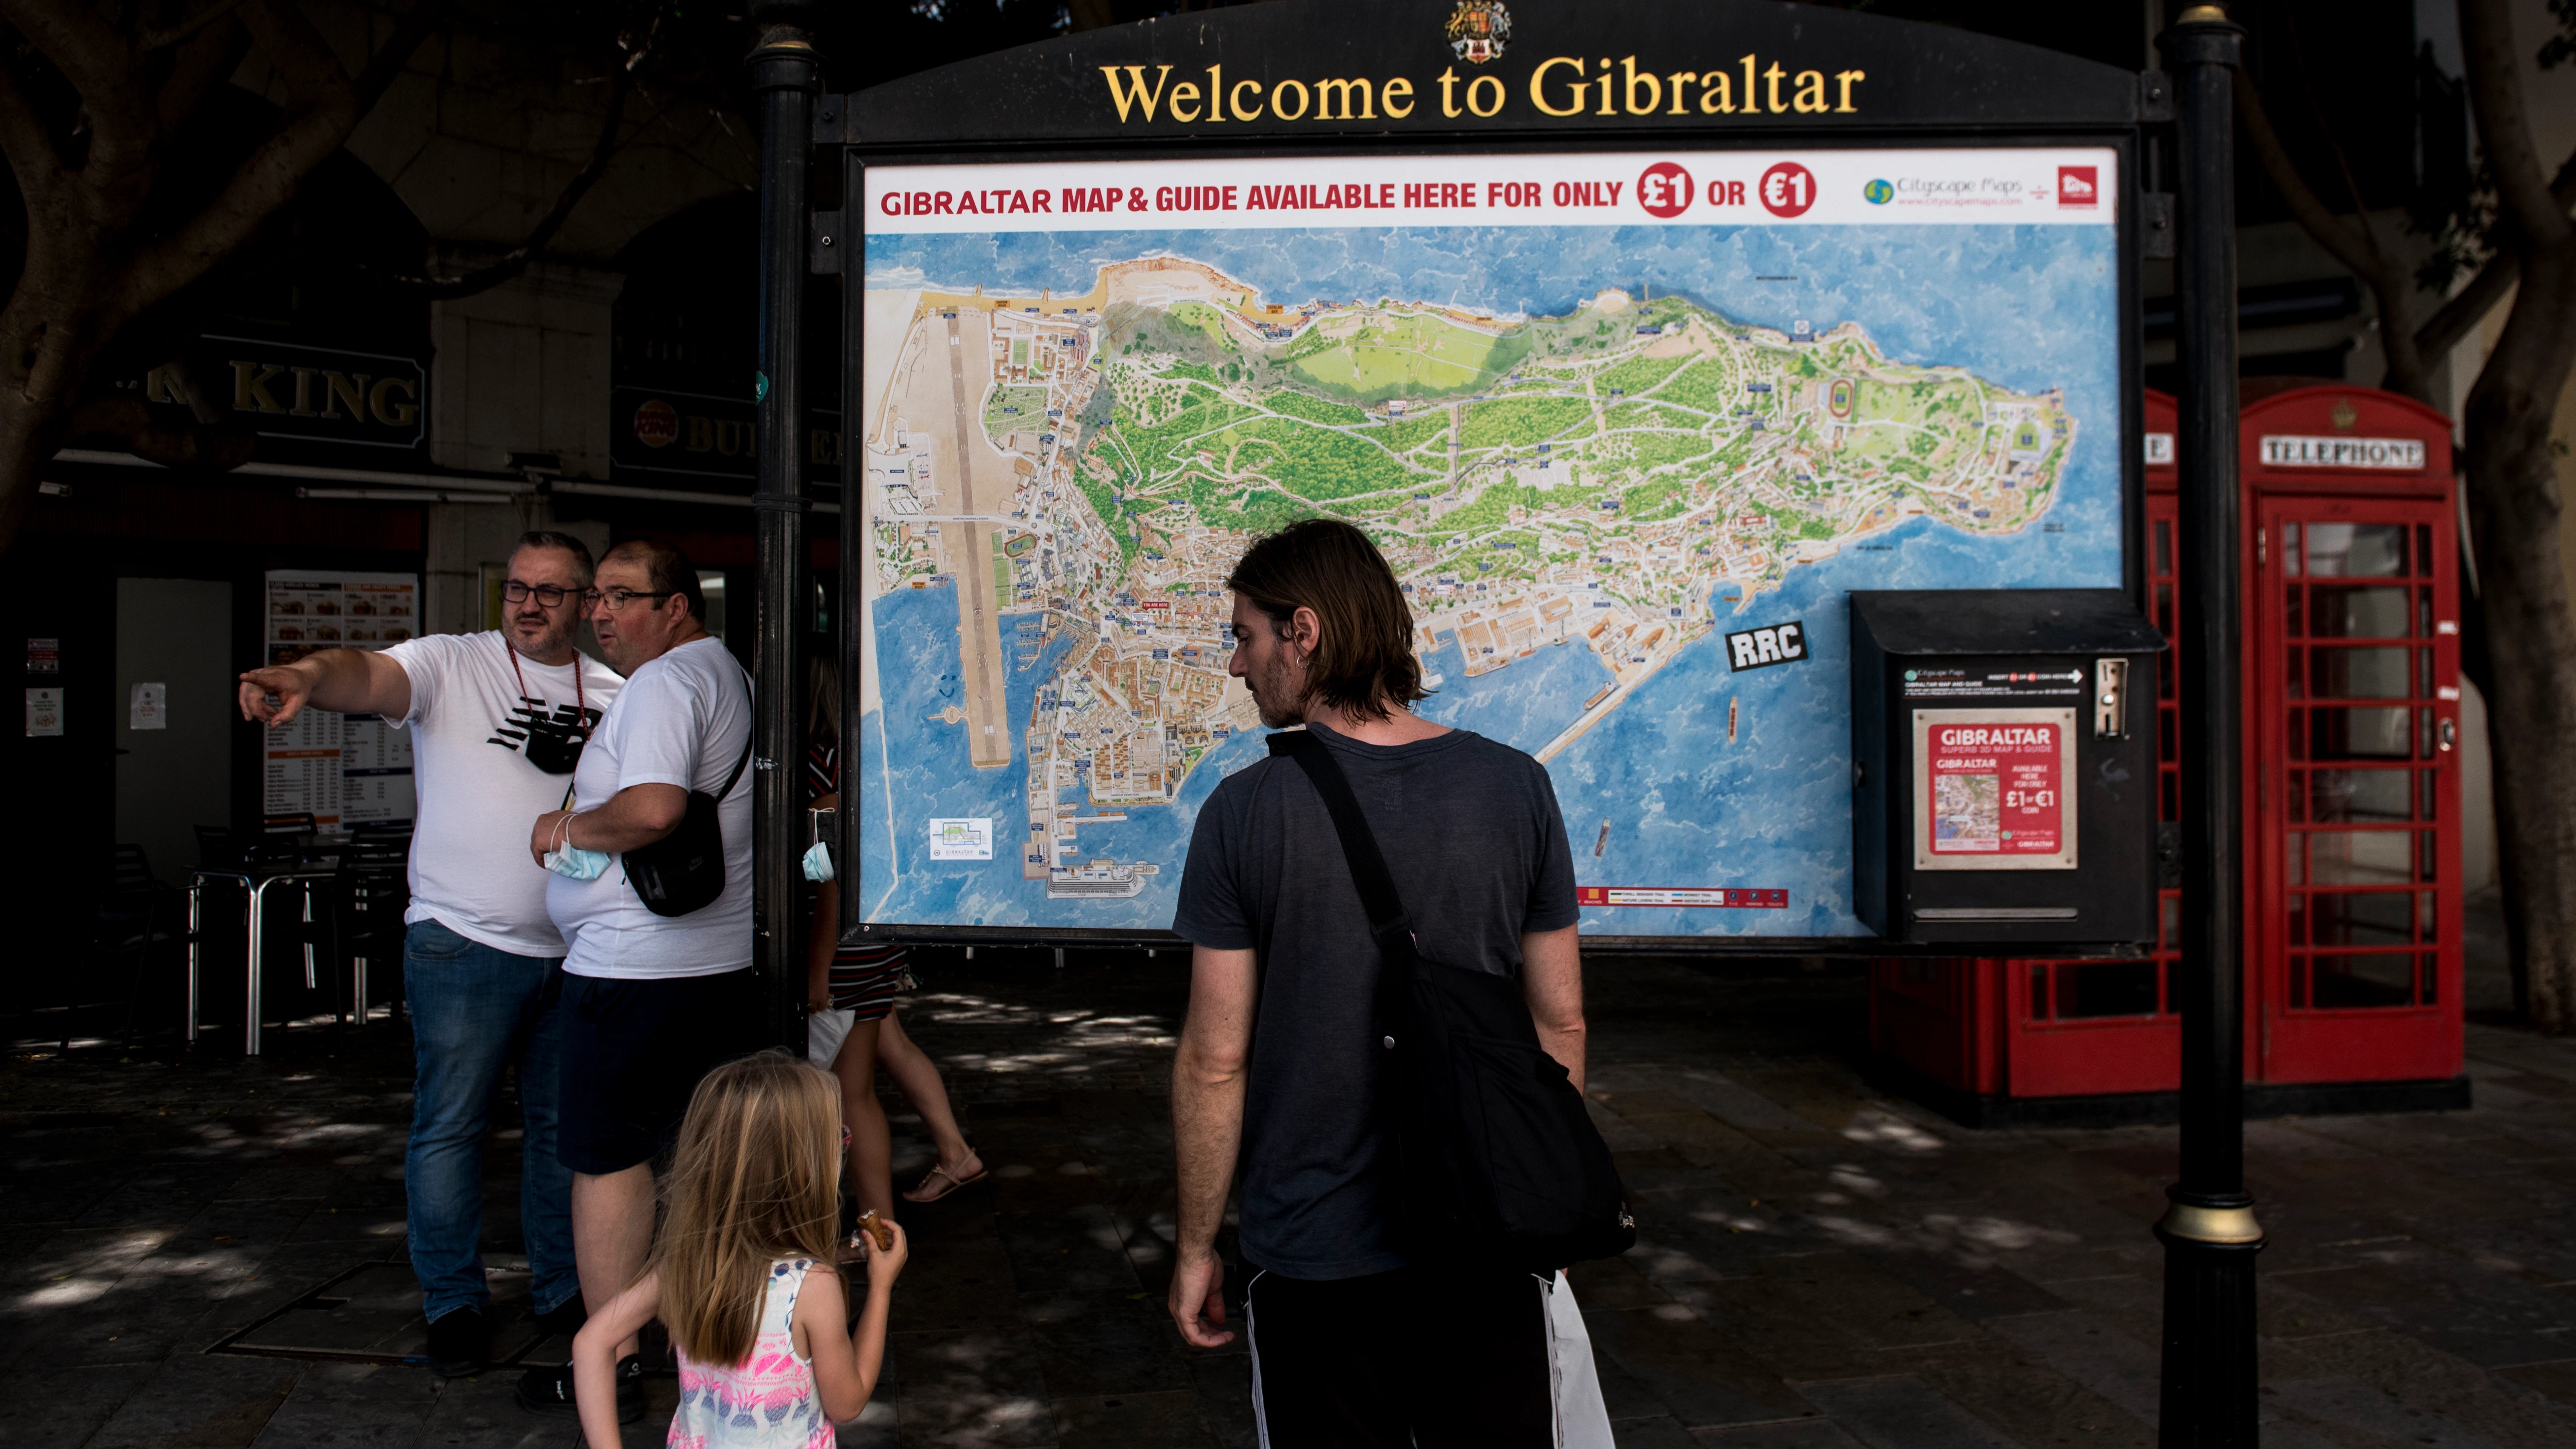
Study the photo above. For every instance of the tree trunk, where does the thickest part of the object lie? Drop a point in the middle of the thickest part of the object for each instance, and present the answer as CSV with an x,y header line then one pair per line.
x,y
2514,508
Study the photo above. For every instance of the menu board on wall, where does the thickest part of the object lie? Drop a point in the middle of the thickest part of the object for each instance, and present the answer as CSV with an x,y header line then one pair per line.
x,y
343,770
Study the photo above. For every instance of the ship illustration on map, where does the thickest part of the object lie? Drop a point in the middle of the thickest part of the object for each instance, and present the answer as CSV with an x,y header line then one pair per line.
x,y
1081,471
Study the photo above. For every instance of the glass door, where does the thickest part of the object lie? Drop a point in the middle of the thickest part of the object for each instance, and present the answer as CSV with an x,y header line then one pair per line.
x,y
2354,919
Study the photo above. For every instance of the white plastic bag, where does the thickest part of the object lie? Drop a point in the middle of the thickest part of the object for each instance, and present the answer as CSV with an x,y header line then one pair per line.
x,y
1582,1418
824,1033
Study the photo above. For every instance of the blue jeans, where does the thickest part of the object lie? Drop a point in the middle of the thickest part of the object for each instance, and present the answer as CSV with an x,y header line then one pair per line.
x,y
474,1011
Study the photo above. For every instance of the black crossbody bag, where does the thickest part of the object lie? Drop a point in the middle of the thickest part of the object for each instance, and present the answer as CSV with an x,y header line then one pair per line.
x,y
684,871
1494,1158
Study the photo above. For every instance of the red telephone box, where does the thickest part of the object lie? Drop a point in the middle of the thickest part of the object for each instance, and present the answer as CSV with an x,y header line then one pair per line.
x,y
2351,808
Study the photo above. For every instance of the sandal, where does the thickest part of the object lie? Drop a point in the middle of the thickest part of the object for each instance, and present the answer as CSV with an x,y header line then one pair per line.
x,y
940,1182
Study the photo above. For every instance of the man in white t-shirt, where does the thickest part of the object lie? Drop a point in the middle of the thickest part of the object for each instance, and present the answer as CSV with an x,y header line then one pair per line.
x,y
497,720
651,1002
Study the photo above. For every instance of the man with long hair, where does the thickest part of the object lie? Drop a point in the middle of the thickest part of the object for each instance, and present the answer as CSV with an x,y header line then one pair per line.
x,y
1279,1060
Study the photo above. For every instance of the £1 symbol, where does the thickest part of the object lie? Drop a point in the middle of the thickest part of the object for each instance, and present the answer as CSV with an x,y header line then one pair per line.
x,y
1788,189
1665,190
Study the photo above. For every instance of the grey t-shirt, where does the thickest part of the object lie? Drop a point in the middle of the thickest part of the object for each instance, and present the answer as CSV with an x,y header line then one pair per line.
x,y
1470,829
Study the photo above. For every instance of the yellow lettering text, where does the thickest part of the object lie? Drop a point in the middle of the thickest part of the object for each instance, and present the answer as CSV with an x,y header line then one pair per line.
x,y
1811,92
1327,90
1398,89
1134,93
1538,86
1849,78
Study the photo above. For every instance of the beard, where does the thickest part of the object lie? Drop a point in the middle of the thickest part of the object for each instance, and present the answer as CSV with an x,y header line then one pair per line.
x,y
1275,694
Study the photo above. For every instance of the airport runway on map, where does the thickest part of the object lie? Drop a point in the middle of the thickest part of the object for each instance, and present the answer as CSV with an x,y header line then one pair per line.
x,y
984,488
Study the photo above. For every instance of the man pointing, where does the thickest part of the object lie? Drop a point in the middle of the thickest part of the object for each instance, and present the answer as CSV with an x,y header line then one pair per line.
x,y
498,720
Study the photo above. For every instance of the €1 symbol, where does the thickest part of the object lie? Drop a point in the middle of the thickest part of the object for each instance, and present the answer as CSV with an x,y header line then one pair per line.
x,y
1664,190
1788,189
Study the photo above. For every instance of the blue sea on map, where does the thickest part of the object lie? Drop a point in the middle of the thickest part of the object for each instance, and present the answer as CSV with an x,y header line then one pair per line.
x,y
2027,307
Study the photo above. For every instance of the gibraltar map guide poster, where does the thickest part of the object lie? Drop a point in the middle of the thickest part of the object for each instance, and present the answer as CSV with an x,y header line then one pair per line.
x,y
1602,412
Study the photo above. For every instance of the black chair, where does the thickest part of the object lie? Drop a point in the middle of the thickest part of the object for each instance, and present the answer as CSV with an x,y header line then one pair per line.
x,y
284,841
217,849
126,923
370,895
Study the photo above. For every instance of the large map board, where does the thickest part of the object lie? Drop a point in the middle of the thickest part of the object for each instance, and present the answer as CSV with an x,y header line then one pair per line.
x,y
1628,426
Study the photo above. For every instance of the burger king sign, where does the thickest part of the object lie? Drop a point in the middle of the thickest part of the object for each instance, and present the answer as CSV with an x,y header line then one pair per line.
x,y
657,424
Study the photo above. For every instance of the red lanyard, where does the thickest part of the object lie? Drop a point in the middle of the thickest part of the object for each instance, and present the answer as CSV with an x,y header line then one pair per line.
x,y
581,716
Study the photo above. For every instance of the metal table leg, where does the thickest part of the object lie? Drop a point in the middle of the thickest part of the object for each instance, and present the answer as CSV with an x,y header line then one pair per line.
x,y
258,913
196,925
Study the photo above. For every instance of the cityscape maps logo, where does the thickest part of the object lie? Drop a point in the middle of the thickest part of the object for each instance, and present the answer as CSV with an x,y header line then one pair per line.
x,y
1879,192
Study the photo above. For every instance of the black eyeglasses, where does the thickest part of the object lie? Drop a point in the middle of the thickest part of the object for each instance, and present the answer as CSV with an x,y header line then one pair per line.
x,y
550,595
617,599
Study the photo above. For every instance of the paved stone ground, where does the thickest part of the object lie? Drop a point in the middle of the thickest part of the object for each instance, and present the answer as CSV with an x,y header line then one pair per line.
x,y
1820,1265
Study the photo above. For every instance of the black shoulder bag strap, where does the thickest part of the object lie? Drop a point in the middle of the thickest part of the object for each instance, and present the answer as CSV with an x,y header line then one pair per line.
x,y
1376,884
752,737
1399,961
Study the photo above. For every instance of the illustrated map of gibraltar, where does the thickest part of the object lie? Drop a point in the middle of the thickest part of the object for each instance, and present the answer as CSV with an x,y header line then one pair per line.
x,y
1577,501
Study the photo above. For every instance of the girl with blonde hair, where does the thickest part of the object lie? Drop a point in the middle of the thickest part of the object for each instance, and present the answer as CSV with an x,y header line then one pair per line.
x,y
767,1360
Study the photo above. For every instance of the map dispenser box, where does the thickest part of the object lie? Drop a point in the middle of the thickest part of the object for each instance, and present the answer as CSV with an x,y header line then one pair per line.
x,y
2004,767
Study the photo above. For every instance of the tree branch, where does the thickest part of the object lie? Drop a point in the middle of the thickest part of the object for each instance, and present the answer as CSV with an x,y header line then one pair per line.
x,y
159,37
2504,127
417,22
197,66
2391,289
98,63
2468,307
323,109
515,260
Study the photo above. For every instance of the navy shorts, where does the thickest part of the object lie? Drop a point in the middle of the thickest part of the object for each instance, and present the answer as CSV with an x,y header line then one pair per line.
x,y
633,1051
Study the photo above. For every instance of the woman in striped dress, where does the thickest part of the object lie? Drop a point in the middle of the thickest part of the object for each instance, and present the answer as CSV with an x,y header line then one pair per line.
x,y
863,980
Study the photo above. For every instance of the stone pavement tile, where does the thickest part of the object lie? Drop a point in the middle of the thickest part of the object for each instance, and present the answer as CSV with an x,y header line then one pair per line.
x,y
971,1391
1902,1413
351,1404
1971,1287
482,1413
1224,1383
76,1400
2441,1386
2557,1380
2486,1318
2024,1397
2103,1358
1658,1431
1819,1316
1666,1360
2133,1303
2338,1407
1132,1421
1078,1250
1612,1284
967,1284
1093,1344
1145,1215
1802,1434
1045,1178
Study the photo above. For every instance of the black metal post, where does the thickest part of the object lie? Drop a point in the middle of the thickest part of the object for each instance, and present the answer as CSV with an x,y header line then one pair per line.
x,y
2209,1231
786,74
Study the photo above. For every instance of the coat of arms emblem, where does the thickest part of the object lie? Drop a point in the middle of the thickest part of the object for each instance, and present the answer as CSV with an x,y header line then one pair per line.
x,y
1477,30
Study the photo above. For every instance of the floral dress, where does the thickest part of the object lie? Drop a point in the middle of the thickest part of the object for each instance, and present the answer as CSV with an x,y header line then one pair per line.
x,y
768,1401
